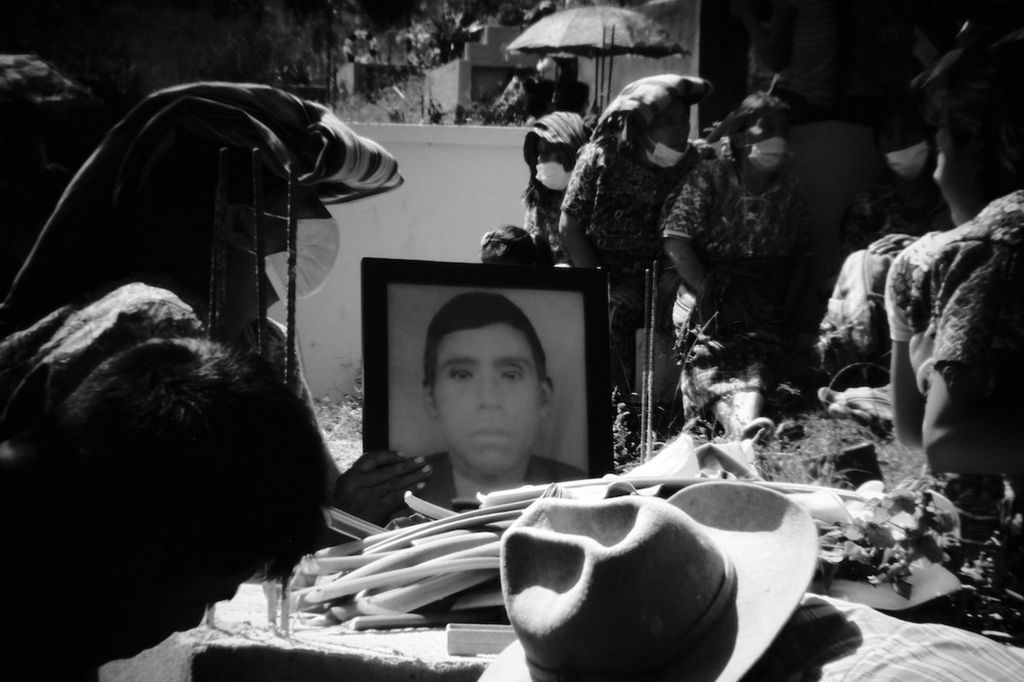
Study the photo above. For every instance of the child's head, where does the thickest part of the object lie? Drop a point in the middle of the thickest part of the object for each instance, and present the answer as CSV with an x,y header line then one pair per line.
x,y
187,467
512,245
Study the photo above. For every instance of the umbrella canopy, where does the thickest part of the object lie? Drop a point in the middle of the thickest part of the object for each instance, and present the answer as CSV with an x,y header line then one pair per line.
x,y
589,31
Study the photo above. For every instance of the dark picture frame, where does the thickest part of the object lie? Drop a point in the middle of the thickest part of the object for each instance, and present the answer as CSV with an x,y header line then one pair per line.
x,y
567,306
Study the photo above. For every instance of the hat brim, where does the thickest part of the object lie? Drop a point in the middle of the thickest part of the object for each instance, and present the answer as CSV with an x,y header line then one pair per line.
x,y
773,545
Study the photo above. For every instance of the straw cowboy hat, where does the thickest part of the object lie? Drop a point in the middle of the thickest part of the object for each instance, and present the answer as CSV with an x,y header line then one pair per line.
x,y
637,587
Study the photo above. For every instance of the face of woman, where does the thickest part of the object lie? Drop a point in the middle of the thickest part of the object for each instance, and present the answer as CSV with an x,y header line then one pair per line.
x,y
546,152
672,127
240,292
764,144
956,175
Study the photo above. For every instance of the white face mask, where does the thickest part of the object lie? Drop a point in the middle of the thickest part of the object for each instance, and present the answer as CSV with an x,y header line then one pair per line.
x,y
768,153
664,156
908,163
553,175
317,243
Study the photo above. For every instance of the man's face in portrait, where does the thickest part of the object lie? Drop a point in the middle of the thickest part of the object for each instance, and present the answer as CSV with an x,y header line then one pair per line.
x,y
488,397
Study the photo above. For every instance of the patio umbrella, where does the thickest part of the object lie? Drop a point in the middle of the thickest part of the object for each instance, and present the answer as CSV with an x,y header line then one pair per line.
x,y
586,32
599,32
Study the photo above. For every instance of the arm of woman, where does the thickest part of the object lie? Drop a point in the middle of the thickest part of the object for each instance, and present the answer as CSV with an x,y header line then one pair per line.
x,y
964,432
578,207
577,244
907,401
683,217
690,269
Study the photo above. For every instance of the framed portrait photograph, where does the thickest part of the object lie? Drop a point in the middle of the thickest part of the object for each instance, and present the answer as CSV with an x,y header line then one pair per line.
x,y
487,370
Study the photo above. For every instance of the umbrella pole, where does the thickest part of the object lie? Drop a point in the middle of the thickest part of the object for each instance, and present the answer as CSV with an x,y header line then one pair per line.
x,y
602,98
611,63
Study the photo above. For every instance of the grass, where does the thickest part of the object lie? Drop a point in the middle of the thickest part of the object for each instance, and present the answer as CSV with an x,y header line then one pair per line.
x,y
806,448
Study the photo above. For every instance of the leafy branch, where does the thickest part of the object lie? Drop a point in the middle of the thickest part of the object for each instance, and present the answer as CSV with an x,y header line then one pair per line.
x,y
886,536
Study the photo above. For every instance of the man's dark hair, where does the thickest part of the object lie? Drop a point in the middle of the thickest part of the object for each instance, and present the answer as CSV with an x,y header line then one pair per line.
x,y
473,310
206,447
975,93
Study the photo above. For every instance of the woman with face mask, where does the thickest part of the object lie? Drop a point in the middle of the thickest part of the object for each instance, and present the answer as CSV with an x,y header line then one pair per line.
x,y
879,223
739,235
155,238
907,201
550,151
638,154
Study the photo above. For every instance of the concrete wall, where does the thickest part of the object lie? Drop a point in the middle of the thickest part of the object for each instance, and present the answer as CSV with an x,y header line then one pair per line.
x,y
460,181
451,84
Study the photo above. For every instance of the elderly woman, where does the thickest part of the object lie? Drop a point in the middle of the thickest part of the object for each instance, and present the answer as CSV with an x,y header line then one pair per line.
x,y
955,299
638,154
124,341
155,238
739,236
907,202
550,149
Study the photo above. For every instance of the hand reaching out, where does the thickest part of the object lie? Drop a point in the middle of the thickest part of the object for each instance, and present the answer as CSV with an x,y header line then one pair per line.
x,y
374,487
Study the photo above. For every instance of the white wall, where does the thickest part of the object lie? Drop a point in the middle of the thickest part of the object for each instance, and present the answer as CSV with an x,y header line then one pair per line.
x,y
460,181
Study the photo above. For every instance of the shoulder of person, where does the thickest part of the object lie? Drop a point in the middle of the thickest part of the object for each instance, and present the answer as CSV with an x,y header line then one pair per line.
x,y
1000,222
602,148
709,170
133,302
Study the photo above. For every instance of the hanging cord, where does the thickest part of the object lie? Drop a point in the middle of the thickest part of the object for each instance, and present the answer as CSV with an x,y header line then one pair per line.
x,y
642,383
291,370
258,238
291,356
652,306
608,69
218,257
215,293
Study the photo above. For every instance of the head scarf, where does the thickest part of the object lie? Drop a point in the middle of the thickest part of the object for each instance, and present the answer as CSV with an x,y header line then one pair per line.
x,y
642,101
149,187
567,133
563,130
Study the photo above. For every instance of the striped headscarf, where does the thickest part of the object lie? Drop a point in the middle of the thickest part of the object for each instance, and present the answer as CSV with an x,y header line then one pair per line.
x,y
563,130
149,186
642,101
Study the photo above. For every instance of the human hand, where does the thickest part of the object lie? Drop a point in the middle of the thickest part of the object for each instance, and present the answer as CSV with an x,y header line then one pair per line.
x,y
891,244
373,488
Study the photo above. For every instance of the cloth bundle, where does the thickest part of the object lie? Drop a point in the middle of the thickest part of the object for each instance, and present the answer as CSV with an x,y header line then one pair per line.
x,y
865,404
